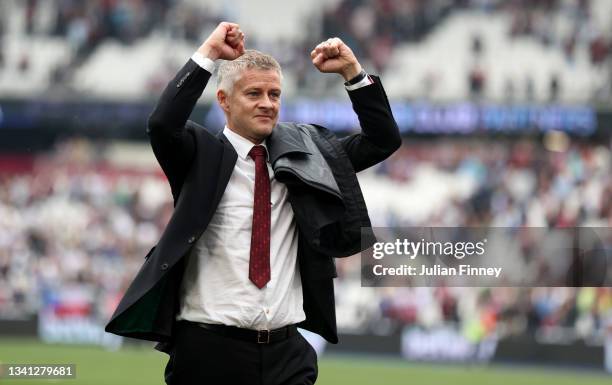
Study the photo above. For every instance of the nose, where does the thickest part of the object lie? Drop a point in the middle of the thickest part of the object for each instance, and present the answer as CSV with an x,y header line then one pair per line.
x,y
266,103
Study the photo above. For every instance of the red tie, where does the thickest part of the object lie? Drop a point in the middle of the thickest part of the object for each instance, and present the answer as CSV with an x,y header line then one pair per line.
x,y
259,264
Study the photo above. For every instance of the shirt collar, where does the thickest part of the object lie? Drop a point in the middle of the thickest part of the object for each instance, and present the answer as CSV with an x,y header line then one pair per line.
x,y
241,144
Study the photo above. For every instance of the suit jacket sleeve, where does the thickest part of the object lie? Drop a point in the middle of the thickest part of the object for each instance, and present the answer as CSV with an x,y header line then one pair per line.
x,y
379,136
173,144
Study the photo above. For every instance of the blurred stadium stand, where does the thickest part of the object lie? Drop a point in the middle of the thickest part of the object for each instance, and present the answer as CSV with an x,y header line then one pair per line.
x,y
502,50
77,218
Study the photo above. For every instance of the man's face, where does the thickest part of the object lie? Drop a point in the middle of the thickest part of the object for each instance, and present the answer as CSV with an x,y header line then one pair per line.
x,y
252,106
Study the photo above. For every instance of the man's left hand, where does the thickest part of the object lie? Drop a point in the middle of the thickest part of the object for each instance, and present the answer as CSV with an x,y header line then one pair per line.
x,y
333,56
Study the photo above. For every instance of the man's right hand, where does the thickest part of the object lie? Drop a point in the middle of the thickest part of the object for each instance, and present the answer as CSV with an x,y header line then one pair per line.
x,y
225,42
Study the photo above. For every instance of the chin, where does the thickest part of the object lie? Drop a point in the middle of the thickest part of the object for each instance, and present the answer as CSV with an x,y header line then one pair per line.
x,y
265,131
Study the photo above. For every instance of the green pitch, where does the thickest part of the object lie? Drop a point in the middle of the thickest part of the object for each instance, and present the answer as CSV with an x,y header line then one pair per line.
x,y
135,366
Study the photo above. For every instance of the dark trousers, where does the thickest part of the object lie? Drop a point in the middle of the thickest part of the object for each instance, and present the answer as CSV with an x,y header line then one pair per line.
x,y
204,357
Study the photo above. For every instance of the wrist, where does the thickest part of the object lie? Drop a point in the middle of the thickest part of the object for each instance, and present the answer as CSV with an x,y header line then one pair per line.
x,y
208,52
351,71
352,83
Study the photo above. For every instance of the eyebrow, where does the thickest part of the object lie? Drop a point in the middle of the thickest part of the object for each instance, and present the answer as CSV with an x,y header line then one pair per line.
x,y
260,89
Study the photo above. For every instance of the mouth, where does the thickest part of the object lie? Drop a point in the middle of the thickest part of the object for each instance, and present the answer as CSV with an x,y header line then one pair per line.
x,y
263,117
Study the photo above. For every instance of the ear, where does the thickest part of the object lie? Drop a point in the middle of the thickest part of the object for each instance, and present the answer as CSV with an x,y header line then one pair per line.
x,y
223,100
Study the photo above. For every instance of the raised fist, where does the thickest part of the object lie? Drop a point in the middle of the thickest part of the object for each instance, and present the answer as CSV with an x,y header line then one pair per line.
x,y
333,56
225,42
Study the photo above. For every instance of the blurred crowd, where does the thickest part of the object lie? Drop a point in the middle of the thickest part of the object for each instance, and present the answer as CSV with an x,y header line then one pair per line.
x,y
512,183
550,314
374,29
86,23
537,19
72,218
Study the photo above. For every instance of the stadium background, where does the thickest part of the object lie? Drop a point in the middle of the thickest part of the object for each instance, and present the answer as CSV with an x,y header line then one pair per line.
x,y
505,107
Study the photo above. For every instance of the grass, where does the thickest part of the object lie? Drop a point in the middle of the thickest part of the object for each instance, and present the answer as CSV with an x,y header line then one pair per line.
x,y
143,365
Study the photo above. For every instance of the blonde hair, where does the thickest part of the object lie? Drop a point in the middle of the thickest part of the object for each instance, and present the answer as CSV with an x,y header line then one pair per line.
x,y
230,71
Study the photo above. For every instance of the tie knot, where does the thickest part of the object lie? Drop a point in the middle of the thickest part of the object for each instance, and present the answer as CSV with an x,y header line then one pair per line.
x,y
257,151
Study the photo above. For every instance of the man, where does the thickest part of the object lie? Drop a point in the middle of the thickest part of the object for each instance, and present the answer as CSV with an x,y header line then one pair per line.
x,y
260,210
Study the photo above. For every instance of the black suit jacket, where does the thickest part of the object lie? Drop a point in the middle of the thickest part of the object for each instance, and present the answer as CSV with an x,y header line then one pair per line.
x,y
198,166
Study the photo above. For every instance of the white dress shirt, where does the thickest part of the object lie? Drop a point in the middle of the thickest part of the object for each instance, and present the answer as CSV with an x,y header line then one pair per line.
x,y
216,287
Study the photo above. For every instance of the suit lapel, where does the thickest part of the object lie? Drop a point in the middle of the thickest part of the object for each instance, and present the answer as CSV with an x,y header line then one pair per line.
x,y
228,161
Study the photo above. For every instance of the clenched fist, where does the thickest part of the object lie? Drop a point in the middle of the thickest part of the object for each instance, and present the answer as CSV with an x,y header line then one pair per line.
x,y
333,56
225,42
